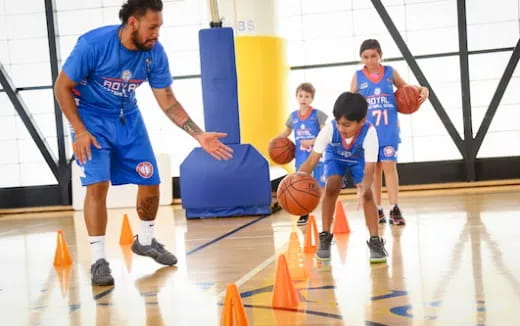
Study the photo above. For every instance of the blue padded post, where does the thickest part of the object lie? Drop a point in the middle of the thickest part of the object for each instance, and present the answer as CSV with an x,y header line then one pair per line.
x,y
219,82
236,187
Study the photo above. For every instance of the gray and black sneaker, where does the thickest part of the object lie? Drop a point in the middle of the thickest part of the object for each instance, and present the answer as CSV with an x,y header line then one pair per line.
x,y
381,215
303,220
101,273
323,252
378,252
155,250
396,217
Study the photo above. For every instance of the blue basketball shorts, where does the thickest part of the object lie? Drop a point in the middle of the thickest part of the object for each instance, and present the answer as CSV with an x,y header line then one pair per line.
x,y
341,168
387,153
126,155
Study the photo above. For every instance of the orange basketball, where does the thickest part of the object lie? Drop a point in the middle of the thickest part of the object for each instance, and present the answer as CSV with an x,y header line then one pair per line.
x,y
281,150
298,193
407,99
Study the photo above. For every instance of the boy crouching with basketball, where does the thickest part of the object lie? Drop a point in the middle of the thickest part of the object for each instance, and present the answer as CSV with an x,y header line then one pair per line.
x,y
349,143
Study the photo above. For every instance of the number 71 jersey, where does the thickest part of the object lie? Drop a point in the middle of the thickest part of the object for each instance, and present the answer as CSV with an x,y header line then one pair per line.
x,y
378,90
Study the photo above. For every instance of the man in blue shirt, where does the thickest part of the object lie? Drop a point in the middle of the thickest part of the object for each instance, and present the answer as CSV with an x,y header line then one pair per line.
x,y
96,92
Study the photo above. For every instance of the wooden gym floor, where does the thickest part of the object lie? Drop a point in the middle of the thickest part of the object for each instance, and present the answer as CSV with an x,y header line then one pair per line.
x,y
456,262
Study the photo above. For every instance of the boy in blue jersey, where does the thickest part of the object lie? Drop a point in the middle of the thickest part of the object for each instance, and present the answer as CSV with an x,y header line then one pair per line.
x,y
375,82
350,144
306,123
96,92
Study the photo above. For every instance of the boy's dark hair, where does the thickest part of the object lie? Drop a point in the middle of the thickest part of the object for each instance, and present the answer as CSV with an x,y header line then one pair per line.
x,y
306,87
370,44
138,8
351,106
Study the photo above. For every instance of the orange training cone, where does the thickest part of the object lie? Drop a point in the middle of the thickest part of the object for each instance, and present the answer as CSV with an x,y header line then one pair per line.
x,y
233,313
128,256
294,255
311,233
284,293
62,255
340,220
127,237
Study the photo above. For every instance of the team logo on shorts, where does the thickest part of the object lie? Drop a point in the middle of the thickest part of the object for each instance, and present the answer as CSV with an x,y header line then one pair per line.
x,y
145,169
389,151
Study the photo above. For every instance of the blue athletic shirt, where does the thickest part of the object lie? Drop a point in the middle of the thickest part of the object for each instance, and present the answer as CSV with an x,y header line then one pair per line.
x,y
351,153
107,73
382,110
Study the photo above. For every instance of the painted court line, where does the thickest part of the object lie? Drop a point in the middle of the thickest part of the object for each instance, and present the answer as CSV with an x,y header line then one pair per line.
x,y
225,235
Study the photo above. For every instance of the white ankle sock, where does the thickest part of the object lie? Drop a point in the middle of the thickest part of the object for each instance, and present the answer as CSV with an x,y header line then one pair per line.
x,y
146,232
97,247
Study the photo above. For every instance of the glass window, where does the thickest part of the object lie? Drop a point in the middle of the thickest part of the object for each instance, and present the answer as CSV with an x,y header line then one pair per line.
x,y
35,174
24,7
500,144
9,175
483,11
492,35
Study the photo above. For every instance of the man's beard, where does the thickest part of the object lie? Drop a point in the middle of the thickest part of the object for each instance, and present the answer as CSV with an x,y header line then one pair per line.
x,y
139,45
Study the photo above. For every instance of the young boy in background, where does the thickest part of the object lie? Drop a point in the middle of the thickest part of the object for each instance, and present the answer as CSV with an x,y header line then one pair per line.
x,y
306,123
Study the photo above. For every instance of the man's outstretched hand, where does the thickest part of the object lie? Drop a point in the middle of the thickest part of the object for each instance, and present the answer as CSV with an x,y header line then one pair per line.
x,y
211,144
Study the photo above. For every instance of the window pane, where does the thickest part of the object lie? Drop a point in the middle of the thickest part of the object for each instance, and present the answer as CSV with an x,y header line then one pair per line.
x,y
313,6
10,175
78,22
500,144
24,7
39,101
484,11
10,150
67,5
7,129
434,148
33,174
431,15
31,74
495,35
18,28
29,51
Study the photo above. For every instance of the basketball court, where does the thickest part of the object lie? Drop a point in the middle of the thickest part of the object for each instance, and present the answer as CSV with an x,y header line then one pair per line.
x,y
454,263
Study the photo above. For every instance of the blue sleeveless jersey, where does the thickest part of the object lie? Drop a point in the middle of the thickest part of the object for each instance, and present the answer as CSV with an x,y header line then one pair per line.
x,y
382,110
107,73
352,153
304,128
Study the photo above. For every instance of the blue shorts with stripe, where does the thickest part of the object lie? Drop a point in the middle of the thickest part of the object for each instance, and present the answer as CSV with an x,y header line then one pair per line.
x,y
126,155
341,168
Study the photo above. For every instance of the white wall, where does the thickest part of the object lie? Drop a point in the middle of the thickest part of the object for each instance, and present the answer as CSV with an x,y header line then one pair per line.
x,y
318,32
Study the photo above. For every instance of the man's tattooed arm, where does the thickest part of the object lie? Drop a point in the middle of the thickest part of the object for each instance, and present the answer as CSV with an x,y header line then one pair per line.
x,y
179,116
